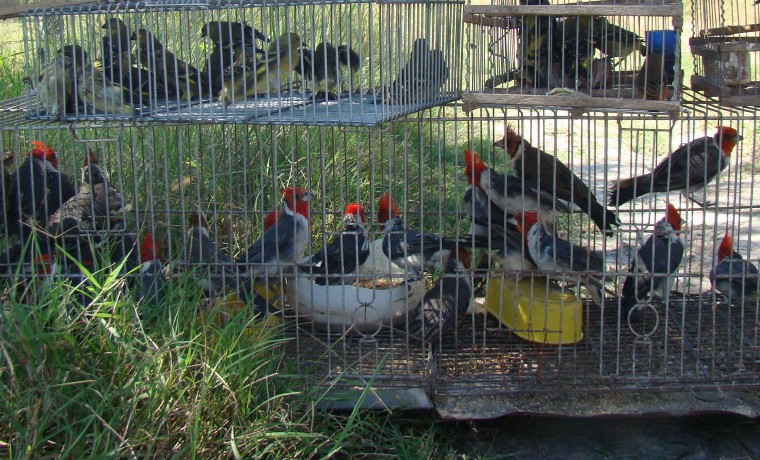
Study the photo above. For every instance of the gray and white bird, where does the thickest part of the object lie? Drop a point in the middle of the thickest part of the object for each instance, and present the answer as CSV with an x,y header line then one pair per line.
x,y
492,229
510,193
55,90
412,250
343,254
284,243
733,277
554,254
151,281
549,174
209,265
421,78
687,170
655,263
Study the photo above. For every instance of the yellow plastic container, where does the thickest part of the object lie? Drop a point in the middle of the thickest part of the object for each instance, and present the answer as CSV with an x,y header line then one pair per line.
x,y
536,310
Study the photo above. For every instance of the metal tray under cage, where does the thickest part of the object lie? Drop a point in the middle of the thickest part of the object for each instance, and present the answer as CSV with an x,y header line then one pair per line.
x,y
575,56
210,62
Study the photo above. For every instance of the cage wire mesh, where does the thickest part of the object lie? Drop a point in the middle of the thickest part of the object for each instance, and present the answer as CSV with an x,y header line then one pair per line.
x,y
570,55
455,335
309,63
724,47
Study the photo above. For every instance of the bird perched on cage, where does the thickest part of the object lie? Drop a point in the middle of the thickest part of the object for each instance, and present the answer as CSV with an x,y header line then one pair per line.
x,y
510,193
655,263
540,50
688,169
210,265
412,250
444,303
733,277
230,40
120,66
612,40
343,254
284,243
548,174
151,280
55,90
554,254
655,76
281,59
180,79
100,95
322,66
421,78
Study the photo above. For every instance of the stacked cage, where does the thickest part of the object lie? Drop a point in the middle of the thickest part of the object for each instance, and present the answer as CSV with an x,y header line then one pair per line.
x,y
471,279
599,55
725,52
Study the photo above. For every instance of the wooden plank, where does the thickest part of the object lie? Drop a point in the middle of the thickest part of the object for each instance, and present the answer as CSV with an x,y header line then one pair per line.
x,y
481,20
749,43
740,101
708,53
703,85
16,9
733,30
675,9
475,100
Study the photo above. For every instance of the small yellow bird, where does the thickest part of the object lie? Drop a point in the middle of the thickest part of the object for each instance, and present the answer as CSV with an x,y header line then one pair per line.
x,y
281,59
100,95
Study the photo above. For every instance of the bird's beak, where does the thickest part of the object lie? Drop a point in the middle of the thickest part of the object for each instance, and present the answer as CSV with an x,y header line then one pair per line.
x,y
741,138
463,176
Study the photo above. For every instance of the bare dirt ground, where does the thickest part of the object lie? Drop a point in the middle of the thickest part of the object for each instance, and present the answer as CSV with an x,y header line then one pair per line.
x,y
717,436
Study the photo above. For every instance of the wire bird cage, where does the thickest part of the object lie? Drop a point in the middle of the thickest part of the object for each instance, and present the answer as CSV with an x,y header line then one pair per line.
x,y
615,55
479,337
208,61
724,47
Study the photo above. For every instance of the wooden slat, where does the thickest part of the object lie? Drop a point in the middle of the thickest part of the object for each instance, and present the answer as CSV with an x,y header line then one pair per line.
x,y
703,51
11,9
748,41
702,84
474,100
740,101
675,9
733,30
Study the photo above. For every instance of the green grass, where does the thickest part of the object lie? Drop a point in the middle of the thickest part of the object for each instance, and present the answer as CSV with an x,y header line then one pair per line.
x,y
84,375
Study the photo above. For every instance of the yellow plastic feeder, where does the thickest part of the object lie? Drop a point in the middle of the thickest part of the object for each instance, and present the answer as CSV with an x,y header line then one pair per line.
x,y
536,310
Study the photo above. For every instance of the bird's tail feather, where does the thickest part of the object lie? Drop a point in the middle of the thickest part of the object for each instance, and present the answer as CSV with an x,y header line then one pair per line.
x,y
348,57
626,190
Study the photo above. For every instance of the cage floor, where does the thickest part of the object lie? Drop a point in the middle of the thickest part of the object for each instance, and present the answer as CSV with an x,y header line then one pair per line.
x,y
690,342
297,108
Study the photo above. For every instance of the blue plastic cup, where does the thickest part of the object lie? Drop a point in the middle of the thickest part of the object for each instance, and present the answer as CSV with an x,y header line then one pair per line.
x,y
661,42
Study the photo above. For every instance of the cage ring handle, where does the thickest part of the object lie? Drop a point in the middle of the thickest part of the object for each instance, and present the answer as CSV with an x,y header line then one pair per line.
x,y
640,307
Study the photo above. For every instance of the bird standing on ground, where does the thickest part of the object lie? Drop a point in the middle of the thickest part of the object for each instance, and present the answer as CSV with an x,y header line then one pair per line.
x,y
655,263
282,57
548,174
344,253
733,277
688,169
554,254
